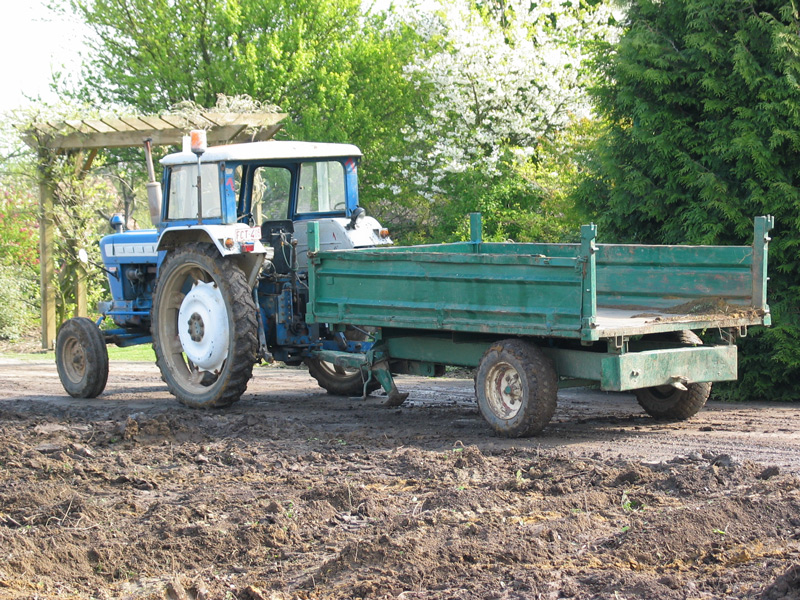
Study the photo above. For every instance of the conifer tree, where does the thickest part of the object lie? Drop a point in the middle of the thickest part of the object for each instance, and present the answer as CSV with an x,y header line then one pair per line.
x,y
702,99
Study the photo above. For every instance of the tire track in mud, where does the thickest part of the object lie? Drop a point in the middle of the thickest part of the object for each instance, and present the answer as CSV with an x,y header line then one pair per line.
x,y
438,413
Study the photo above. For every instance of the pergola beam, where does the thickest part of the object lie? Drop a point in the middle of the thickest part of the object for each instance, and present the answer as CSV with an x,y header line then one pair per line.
x,y
164,130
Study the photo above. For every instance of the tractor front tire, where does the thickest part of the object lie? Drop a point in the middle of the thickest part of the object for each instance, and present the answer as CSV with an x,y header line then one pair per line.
x,y
81,358
204,327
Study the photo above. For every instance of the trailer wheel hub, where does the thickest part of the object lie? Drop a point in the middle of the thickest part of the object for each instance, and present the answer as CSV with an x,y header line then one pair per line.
x,y
203,327
504,390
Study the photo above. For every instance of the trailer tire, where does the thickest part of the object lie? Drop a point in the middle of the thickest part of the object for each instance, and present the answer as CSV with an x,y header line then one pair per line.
x,y
668,403
208,363
338,381
81,358
517,387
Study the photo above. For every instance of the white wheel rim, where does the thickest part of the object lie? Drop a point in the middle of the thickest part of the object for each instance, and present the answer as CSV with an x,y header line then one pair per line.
x,y
503,390
203,327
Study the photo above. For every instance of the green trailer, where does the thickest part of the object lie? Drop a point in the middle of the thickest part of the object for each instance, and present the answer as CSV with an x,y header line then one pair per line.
x,y
534,317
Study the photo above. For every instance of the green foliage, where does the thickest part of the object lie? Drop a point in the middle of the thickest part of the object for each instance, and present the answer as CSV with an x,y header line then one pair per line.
x,y
18,301
702,99
19,228
526,201
19,254
336,72
76,201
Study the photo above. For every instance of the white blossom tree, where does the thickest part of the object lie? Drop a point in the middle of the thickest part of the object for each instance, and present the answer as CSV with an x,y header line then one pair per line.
x,y
504,77
499,85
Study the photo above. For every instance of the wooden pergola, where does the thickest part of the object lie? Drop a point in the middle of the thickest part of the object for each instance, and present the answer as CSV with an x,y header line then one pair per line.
x,y
84,138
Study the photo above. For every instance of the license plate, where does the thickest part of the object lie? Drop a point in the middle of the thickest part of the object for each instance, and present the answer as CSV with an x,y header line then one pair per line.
x,y
248,235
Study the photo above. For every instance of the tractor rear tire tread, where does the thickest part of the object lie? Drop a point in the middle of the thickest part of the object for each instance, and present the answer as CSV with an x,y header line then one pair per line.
x,y
238,369
349,384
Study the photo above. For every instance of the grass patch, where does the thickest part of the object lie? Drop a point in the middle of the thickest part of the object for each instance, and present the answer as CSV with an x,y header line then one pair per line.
x,y
140,353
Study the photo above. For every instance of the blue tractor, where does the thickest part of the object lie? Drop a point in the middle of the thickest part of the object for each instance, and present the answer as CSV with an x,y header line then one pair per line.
x,y
221,282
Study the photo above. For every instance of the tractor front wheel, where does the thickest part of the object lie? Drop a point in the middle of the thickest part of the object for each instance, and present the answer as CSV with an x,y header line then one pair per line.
x,y
204,327
81,358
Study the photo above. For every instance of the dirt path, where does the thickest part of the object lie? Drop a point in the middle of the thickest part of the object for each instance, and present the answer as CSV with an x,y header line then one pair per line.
x,y
292,493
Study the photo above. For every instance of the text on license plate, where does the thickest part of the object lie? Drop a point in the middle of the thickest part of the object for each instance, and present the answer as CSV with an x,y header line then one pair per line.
x,y
248,235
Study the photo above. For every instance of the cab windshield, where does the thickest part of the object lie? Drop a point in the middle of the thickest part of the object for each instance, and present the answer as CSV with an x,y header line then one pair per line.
x,y
182,203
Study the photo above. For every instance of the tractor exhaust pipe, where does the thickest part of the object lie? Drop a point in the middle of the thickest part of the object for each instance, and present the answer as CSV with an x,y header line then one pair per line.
x,y
154,196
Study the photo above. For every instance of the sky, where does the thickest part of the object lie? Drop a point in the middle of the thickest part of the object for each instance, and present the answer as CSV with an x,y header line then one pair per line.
x,y
35,43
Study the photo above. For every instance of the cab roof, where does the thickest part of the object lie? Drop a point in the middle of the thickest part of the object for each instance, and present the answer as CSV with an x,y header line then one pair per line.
x,y
272,150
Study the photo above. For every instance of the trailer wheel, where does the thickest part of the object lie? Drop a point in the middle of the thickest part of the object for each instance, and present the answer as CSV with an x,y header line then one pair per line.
x,y
668,403
204,327
337,380
517,387
82,358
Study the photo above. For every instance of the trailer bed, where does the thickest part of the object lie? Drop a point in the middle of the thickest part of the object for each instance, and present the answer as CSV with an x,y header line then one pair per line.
x,y
583,291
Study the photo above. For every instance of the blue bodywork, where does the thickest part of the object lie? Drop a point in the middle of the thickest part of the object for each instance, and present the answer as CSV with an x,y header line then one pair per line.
x,y
132,260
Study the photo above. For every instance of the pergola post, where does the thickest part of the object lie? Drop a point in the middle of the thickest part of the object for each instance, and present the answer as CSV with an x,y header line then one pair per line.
x,y
46,246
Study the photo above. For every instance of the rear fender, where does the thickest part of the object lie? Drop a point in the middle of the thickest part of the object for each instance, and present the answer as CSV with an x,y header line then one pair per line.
x,y
249,261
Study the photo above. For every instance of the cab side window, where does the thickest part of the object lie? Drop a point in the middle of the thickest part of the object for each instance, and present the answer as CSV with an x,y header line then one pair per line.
x,y
322,187
271,191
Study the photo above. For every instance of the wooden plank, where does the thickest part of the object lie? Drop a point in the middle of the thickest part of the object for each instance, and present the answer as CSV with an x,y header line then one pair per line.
x,y
95,125
164,130
201,122
224,134
136,123
262,135
117,139
76,124
47,261
158,123
246,119
176,121
117,124
127,139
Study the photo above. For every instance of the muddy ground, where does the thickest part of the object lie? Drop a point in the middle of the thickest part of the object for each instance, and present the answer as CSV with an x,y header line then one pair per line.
x,y
292,493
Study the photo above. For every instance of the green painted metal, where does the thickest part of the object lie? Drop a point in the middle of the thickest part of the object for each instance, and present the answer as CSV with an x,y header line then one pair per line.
x,y
425,287
446,303
475,228
346,360
435,349
614,372
651,368
588,263
761,239
553,290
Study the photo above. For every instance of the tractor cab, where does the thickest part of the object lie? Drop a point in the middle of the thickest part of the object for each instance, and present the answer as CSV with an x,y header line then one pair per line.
x,y
277,186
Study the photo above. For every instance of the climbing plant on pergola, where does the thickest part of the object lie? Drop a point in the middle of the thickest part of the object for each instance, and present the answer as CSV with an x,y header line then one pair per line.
x,y
81,140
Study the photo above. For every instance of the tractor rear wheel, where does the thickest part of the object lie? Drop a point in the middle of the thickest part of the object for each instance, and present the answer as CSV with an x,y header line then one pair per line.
x,y
204,327
81,358
337,380
517,388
